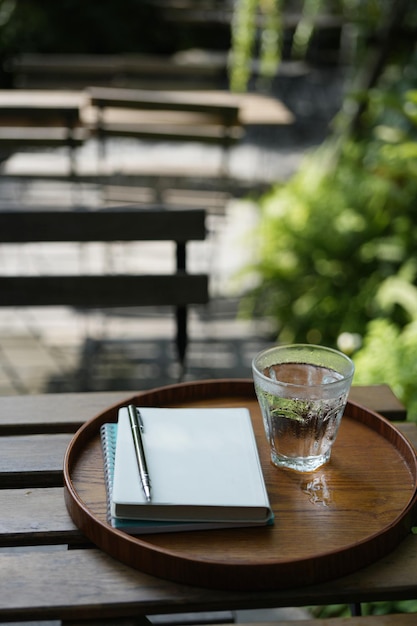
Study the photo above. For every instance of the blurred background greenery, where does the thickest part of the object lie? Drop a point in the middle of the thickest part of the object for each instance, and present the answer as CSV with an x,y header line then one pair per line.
x,y
336,245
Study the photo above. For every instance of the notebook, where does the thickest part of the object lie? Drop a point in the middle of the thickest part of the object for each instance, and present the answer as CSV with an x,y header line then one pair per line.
x,y
204,468
108,435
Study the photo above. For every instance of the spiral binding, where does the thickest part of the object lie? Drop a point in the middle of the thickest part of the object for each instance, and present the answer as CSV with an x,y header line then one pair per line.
x,y
108,436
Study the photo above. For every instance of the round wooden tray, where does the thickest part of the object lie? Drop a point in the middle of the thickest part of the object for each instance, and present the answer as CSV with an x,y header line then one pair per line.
x,y
328,523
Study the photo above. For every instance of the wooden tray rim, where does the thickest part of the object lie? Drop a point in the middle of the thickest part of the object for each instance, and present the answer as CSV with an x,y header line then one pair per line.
x,y
218,576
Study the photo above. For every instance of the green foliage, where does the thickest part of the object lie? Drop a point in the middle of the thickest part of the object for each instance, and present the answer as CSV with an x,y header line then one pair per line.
x,y
258,31
331,236
331,610
368,608
305,27
244,38
389,356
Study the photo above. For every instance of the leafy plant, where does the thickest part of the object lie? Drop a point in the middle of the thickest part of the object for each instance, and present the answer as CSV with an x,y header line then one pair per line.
x,y
368,608
389,352
244,37
329,237
258,31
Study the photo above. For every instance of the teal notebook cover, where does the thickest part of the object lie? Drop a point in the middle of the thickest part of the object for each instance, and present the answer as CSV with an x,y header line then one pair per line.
x,y
108,435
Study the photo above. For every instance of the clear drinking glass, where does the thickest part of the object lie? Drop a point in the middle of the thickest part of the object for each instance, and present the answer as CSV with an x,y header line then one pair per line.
x,y
302,390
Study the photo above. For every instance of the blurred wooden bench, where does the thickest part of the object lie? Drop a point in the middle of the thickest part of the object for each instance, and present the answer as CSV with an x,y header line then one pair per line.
x,y
33,119
178,288
165,116
194,69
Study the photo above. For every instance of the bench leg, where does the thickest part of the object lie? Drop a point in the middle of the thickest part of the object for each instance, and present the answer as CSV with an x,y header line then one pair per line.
x,y
356,609
182,339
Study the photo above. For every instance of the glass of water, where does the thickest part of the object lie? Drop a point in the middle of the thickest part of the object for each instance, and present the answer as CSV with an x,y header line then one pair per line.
x,y
302,390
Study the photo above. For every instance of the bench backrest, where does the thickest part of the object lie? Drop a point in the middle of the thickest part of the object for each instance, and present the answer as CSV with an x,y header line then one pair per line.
x,y
163,101
43,70
167,115
31,120
178,288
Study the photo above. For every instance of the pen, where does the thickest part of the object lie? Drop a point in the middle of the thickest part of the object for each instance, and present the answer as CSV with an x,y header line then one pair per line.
x,y
137,428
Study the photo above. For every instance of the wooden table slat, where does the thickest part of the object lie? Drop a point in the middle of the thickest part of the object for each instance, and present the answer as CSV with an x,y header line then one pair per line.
x,y
66,412
32,460
36,517
379,398
90,584
55,412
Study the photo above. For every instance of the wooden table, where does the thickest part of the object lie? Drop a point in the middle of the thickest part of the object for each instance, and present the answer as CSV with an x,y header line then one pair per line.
x,y
46,580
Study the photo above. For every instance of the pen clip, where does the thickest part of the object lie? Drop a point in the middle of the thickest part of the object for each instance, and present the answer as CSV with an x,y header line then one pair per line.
x,y
140,420
133,410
